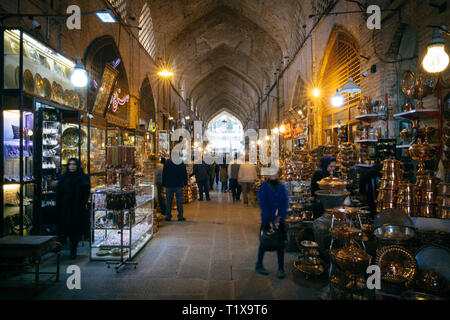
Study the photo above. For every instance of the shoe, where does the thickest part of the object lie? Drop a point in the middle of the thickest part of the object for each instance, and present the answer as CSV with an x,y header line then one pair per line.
x,y
168,219
281,274
181,219
261,270
209,199
200,199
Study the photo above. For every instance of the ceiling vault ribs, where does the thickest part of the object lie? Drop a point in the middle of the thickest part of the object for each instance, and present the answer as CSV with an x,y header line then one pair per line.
x,y
224,53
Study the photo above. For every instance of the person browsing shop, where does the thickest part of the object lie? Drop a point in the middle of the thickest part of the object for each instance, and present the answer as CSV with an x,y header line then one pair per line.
x,y
72,196
327,167
273,201
174,178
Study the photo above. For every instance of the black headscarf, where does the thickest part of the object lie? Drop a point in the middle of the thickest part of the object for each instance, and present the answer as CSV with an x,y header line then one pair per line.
x,y
321,173
79,169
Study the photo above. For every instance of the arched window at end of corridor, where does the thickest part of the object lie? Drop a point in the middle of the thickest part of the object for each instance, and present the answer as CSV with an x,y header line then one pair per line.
x,y
226,134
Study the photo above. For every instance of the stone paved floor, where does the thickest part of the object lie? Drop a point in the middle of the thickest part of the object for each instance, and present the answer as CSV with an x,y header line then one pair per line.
x,y
210,256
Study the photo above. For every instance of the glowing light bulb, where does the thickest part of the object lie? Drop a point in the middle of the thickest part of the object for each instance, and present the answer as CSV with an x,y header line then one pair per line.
x,y
316,92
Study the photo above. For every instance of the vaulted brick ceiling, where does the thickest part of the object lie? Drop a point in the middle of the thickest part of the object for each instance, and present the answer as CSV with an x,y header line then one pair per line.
x,y
224,51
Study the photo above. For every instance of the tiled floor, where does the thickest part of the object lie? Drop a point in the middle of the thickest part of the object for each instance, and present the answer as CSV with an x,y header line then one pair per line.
x,y
212,255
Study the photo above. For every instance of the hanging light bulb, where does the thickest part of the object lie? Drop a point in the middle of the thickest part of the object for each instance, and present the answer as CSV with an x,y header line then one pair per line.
x,y
337,100
316,92
350,87
79,76
282,129
275,130
436,59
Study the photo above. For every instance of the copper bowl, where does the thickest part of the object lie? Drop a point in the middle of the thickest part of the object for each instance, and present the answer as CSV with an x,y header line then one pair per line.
x,y
332,184
351,259
397,264
431,282
409,210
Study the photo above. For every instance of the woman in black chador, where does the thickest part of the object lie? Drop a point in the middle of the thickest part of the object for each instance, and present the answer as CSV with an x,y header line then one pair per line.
x,y
71,201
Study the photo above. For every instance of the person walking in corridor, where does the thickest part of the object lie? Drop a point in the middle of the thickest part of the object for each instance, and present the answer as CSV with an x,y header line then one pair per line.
x,y
201,172
223,178
273,200
159,185
233,171
72,196
212,173
246,178
174,178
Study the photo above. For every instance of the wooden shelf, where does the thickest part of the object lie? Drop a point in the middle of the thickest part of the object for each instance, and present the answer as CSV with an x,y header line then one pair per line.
x,y
418,114
369,117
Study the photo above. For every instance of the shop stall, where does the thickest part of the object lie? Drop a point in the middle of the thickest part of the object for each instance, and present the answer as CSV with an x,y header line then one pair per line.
x,y
41,112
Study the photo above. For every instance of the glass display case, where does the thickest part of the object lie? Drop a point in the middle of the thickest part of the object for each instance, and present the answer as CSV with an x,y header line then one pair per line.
x,y
46,73
121,226
57,139
17,205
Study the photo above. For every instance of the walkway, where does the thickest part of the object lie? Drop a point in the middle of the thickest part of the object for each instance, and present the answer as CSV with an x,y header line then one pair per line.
x,y
212,255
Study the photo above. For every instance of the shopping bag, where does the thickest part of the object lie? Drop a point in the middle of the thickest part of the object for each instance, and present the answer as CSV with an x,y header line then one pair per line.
x,y
271,238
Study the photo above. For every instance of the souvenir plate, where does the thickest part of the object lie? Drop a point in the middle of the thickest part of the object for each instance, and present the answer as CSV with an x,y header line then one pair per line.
x,y
67,98
47,88
75,99
39,84
28,82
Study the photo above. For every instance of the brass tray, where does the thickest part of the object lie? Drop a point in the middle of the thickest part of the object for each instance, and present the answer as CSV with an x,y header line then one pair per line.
x,y
397,264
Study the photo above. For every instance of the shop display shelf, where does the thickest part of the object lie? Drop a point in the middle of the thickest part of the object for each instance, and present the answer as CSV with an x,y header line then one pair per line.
x,y
406,146
369,117
364,165
367,141
418,114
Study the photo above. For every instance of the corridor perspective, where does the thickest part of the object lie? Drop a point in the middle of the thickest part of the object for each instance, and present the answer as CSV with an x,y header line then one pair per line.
x,y
211,255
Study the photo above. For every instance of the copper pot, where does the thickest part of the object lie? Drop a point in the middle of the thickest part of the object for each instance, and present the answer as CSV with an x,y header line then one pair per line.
x,y
408,107
443,213
388,184
427,197
409,210
387,195
426,211
443,201
392,165
352,260
427,183
422,151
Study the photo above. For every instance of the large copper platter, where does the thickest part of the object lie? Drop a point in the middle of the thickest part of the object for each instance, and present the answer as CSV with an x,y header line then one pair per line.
x,y
332,184
397,264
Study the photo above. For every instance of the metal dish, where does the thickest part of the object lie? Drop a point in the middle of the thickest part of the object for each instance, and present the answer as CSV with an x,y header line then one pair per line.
x,y
351,259
412,295
435,258
309,244
47,88
395,233
397,264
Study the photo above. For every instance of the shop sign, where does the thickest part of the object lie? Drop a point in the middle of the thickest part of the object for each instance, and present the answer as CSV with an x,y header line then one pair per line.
x,y
151,126
116,101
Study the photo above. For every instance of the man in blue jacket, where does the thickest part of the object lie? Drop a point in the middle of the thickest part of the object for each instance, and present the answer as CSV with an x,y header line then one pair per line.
x,y
273,200
174,178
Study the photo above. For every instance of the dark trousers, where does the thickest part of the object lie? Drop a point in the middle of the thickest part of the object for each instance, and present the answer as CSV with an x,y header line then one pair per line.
x,y
280,251
73,239
224,186
235,189
161,202
203,186
178,191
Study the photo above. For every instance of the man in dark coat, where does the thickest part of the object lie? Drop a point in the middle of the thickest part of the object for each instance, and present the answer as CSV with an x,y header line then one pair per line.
x,y
71,200
201,172
174,178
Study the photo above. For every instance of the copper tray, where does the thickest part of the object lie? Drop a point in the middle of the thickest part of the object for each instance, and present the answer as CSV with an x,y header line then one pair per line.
x,y
39,84
397,264
28,82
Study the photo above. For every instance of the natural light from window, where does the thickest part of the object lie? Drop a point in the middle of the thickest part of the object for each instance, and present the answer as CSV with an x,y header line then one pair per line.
x,y
225,133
